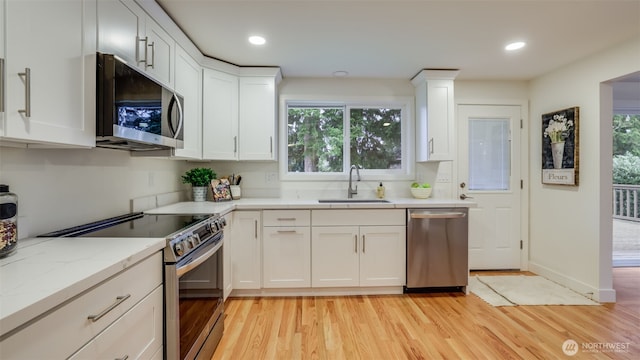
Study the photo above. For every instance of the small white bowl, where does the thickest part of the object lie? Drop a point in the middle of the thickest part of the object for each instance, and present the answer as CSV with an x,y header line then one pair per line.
x,y
421,193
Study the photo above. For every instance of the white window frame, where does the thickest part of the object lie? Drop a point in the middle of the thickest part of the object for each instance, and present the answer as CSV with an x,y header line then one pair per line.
x,y
406,103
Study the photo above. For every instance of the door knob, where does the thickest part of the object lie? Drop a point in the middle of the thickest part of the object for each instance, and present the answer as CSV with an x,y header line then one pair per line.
x,y
464,196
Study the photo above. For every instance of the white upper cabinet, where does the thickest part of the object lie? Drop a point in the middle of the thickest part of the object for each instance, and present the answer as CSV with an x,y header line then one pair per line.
x,y
239,114
125,30
434,115
219,115
159,53
119,25
50,72
188,80
258,117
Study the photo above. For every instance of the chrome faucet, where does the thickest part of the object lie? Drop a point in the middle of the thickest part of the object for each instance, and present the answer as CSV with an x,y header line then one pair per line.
x,y
351,191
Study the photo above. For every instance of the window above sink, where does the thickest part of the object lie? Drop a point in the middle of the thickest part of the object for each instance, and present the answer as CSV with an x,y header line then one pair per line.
x,y
321,140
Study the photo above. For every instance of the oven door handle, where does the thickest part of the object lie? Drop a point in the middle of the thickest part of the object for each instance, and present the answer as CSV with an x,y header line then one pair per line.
x,y
199,260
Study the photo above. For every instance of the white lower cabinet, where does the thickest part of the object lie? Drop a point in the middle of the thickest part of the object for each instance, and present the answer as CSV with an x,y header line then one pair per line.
x,y
366,254
136,335
125,310
286,249
246,264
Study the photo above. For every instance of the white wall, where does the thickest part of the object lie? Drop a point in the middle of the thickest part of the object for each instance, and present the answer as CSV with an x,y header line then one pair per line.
x,y
570,227
62,188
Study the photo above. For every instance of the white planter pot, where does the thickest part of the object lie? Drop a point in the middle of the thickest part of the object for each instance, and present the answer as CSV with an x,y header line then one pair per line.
x,y
200,193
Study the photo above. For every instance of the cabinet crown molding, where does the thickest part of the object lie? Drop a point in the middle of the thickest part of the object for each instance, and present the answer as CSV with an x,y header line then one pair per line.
x,y
434,74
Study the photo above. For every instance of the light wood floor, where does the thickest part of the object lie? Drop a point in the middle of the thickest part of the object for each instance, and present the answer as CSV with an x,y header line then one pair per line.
x,y
428,326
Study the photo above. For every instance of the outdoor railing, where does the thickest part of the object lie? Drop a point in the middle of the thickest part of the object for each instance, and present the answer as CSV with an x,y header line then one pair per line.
x,y
625,202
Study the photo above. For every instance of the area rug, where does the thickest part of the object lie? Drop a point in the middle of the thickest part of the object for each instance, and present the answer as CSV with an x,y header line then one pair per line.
x,y
524,290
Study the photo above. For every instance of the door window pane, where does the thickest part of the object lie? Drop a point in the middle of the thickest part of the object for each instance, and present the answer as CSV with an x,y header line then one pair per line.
x,y
489,154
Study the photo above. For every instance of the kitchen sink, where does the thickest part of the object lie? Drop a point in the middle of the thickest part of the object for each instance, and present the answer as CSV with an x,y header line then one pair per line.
x,y
352,201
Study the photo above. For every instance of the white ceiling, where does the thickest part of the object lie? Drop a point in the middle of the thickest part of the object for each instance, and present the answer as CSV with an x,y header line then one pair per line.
x,y
395,39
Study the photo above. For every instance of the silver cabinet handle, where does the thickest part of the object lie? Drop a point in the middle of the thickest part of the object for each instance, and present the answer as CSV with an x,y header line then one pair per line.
x,y
153,55
255,228
1,85
119,300
431,146
286,219
271,145
27,92
286,231
145,41
235,144
364,242
355,238
123,358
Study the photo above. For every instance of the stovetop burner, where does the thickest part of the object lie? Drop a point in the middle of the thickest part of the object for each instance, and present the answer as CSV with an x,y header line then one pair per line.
x,y
183,233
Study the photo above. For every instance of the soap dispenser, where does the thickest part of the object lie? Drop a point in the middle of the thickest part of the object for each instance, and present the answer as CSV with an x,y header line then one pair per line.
x,y
380,191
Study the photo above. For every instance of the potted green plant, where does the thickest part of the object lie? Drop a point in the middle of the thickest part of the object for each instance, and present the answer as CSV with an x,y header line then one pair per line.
x,y
199,178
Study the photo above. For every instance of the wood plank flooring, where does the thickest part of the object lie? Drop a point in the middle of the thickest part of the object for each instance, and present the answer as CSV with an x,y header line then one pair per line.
x,y
428,326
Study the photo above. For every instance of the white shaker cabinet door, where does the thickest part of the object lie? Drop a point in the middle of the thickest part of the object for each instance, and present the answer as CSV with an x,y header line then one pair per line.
x,y
257,118
121,25
50,72
219,116
382,255
287,257
159,53
335,256
246,250
188,81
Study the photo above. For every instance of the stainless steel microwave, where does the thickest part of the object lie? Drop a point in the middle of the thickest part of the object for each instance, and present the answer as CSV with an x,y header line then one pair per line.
x,y
133,112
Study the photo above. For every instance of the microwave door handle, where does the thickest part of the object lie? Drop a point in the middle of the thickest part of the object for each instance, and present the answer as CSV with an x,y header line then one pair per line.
x,y
174,101
180,116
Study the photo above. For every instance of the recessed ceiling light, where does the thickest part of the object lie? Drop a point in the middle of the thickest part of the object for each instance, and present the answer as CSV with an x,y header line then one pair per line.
x,y
340,73
257,40
515,46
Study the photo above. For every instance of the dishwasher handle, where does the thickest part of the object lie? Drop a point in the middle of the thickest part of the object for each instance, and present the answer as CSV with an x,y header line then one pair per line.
x,y
437,215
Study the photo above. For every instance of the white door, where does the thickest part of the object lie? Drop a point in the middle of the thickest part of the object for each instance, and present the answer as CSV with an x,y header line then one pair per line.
x,y
489,173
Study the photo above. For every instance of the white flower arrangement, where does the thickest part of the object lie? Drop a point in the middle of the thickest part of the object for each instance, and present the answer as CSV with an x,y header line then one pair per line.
x,y
558,128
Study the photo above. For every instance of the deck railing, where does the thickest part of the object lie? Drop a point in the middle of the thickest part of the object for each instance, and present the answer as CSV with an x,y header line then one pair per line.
x,y
626,204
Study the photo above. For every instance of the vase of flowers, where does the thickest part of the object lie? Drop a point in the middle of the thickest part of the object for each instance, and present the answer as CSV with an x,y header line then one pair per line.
x,y
557,131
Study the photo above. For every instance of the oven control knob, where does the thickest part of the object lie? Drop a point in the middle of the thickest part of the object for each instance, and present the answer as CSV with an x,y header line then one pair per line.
x,y
178,248
223,222
190,243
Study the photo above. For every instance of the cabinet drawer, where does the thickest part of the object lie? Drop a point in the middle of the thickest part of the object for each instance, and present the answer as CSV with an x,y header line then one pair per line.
x,y
358,217
286,218
61,332
136,335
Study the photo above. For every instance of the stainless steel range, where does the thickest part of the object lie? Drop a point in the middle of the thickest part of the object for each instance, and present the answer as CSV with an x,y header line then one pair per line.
x,y
194,309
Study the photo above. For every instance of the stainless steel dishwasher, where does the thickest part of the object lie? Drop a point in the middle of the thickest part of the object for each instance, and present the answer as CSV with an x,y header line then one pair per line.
x,y
437,249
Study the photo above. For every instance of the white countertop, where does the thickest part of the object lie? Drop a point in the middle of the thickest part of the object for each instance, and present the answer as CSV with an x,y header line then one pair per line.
x,y
45,272
221,208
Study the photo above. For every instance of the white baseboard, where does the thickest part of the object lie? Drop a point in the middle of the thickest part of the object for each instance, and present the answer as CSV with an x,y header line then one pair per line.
x,y
599,295
386,290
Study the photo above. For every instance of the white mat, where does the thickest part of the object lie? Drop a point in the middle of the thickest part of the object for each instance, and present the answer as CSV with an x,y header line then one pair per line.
x,y
524,290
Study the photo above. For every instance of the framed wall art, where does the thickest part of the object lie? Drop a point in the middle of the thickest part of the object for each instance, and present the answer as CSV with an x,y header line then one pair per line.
x,y
560,147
